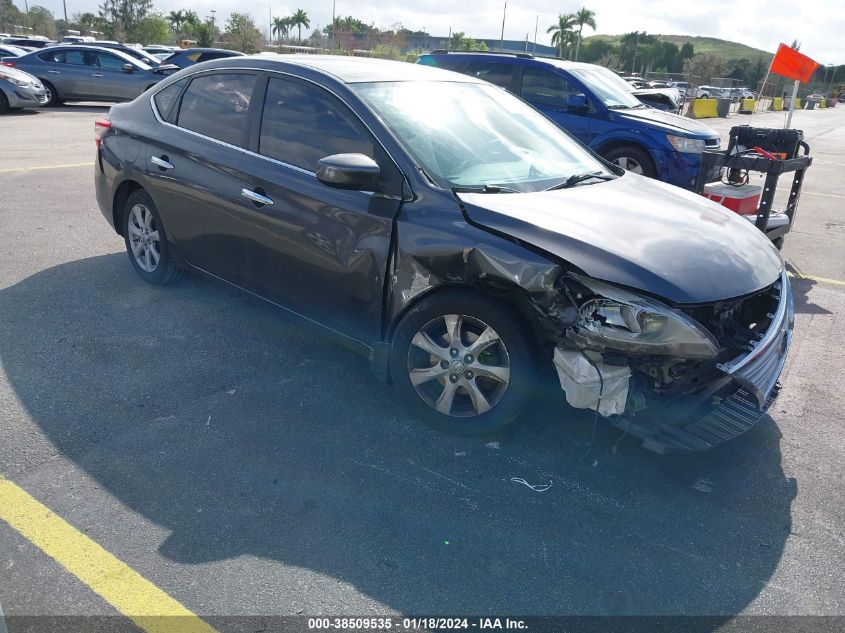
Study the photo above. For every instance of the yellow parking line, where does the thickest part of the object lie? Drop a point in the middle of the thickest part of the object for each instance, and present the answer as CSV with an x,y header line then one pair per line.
x,y
821,280
122,587
68,166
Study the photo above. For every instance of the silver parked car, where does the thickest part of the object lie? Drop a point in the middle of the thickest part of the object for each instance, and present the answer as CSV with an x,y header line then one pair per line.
x,y
19,90
87,73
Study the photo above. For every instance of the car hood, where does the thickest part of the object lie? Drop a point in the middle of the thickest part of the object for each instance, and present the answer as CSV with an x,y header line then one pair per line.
x,y
672,123
639,233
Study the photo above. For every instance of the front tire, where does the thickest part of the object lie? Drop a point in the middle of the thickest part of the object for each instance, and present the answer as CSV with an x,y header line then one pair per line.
x,y
633,159
53,98
146,242
463,363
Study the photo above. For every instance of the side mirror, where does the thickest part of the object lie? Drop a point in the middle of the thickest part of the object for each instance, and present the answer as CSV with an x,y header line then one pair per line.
x,y
164,69
348,171
128,68
576,102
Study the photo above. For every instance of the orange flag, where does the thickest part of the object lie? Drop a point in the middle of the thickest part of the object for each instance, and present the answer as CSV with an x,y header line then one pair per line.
x,y
792,64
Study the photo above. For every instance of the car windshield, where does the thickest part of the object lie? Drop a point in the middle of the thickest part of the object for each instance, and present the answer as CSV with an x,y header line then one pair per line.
x,y
473,136
608,87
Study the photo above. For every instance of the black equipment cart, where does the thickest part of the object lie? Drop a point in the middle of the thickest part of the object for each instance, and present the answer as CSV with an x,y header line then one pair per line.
x,y
780,154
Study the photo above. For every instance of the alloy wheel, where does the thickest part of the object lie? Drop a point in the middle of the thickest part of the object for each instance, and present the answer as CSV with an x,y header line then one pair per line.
x,y
629,164
459,365
144,238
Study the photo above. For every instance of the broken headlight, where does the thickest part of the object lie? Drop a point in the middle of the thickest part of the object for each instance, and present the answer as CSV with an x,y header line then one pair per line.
x,y
620,320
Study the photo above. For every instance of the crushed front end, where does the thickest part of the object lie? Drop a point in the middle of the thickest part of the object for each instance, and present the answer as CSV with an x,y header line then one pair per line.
x,y
688,377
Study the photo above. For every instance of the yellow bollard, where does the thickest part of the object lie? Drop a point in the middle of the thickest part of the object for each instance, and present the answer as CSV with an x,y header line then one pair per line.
x,y
798,104
777,104
748,104
703,109
823,103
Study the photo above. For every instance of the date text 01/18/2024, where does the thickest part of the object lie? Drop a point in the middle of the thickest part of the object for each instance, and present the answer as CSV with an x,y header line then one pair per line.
x,y
388,623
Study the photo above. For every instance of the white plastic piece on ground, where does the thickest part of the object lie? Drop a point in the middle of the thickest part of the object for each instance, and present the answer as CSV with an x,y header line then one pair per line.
x,y
581,383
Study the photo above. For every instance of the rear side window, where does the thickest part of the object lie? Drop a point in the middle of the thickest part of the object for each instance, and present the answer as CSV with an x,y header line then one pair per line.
x,y
166,97
218,106
544,88
499,74
302,123
53,57
208,56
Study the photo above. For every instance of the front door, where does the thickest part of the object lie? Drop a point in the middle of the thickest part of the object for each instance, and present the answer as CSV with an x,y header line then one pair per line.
x,y
110,81
319,250
547,91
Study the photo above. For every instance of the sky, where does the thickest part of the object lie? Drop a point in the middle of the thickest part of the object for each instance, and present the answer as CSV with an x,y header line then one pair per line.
x,y
818,24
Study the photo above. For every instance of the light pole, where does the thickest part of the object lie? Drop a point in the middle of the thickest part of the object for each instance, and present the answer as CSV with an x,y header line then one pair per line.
x,y
64,6
334,3
502,38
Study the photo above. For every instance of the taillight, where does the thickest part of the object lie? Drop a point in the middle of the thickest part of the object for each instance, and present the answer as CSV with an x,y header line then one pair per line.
x,y
9,63
101,126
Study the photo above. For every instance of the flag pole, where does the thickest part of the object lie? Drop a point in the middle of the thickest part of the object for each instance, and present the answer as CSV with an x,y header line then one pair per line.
x,y
792,104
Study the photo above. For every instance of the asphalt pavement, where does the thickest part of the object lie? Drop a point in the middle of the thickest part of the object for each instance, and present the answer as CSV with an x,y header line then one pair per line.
x,y
248,466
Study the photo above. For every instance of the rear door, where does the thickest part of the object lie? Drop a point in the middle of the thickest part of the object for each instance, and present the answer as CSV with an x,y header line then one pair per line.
x,y
547,90
319,250
68,70
110,82
194,163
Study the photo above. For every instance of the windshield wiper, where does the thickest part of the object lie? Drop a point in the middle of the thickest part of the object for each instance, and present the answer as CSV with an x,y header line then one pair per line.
x,y
483,189
576,178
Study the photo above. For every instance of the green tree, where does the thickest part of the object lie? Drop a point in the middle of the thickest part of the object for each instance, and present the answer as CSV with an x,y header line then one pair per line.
x,y
280,28
121,16
241,34
583,17
300,19
462,42
703,67
10,16
177,21
563,32
41,21
152,29
205,33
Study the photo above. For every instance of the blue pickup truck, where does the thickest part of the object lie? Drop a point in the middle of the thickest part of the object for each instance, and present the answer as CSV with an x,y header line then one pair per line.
x,y
596,106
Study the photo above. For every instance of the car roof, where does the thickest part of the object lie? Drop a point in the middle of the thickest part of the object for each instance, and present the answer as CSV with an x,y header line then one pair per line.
x,y
520,58
85,47
206,50
347,69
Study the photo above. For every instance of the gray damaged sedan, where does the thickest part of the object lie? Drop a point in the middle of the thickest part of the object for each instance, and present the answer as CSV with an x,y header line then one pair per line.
x,y
20,90
457,237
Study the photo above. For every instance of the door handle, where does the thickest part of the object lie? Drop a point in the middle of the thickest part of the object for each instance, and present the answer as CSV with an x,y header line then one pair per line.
x,y
96,75
162,163
54,72
256,197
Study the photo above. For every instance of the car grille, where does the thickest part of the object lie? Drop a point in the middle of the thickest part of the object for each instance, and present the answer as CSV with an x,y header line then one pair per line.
x,y
758,370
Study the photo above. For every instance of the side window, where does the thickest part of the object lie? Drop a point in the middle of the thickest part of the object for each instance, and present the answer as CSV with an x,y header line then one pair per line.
x,y
110,62
166,97
499,74
302,124
544,88
218,106
52,57
78,58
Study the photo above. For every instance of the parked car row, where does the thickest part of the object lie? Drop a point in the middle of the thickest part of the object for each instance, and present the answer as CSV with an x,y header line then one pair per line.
x,y
458,237
102,72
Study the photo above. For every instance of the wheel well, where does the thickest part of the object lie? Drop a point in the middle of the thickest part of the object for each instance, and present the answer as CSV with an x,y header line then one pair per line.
x,y
512,295
120,197
615,144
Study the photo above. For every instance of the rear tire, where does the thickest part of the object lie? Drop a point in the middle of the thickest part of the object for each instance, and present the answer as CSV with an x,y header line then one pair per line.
x,y
464,363
633,159
4,104
53,98
146,242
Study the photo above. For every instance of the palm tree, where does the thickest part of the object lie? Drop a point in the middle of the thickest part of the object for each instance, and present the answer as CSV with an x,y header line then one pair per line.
x,y
176,19
191,18
583,17
300,19
562,32
281,26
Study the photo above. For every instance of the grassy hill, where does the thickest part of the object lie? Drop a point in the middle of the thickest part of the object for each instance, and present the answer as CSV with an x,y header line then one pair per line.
x,y
718,48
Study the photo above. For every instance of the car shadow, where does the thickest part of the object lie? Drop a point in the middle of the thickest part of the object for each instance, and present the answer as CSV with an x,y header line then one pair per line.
x,y
801,287
243,433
